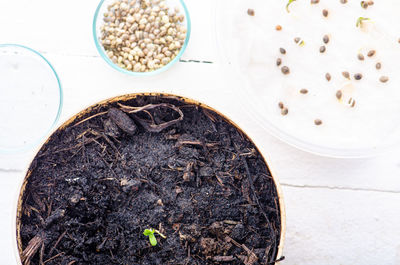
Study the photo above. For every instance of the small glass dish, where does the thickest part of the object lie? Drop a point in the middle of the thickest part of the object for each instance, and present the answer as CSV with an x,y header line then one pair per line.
x,y
30,98
98,22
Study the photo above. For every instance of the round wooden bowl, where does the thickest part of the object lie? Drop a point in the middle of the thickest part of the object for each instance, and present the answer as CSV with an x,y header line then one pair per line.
x,y
77,117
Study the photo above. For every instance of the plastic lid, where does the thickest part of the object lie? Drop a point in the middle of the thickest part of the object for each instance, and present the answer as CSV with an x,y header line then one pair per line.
x,y
30,98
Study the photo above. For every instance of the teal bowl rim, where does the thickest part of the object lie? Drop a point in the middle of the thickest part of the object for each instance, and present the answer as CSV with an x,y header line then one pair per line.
x,y
122,70
60,102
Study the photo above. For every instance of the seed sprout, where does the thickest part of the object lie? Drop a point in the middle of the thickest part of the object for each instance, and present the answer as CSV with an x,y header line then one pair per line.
x,y
360,21
288,4
152,238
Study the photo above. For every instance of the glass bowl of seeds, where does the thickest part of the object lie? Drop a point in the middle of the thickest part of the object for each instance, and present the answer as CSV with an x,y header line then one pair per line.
x,y
141,37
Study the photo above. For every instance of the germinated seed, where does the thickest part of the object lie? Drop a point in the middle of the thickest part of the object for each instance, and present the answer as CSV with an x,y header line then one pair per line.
x,y
360,57
322,49
317,122
278,27
357,76
328,76
384,79
346,74
250,12
352,102
303,91
284,111
339,94
378,66
282,50
278,61
371,53
285,70
281,105
364,4
325,39
325,13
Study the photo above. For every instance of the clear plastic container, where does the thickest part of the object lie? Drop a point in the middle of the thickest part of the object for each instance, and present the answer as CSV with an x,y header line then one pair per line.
x,y
30,98
98,22
249,46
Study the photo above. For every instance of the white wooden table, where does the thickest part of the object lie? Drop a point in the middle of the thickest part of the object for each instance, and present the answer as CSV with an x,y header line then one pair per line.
x,y
338,211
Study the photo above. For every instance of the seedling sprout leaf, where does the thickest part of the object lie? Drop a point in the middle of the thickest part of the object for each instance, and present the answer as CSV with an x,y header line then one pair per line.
x,y
360,21
148,232
288,4
153,240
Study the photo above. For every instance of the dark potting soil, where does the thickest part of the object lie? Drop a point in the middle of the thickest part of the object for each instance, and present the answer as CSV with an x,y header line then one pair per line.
x,y
175,167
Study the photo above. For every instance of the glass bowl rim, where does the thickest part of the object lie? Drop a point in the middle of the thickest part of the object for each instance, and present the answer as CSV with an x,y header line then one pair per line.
x,y
100,49
4,150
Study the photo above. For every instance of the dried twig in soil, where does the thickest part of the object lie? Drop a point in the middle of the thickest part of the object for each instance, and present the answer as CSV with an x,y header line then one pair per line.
x,y
89,118
271,229
41,254
152,127
77,146
105,137
55,256
188,171
183,142
223,258
32,248
209,115
38,240
58,241
36,199
251,257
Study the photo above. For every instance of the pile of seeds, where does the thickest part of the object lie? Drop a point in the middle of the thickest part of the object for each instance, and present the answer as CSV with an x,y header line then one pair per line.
x,y
142,35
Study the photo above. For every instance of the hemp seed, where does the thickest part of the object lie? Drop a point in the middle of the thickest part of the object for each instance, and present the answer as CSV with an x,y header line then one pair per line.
x,y
384,79
317,122
285,70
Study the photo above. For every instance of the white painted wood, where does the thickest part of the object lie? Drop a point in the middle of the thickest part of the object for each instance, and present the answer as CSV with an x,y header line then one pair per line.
x,y
342,227
338,211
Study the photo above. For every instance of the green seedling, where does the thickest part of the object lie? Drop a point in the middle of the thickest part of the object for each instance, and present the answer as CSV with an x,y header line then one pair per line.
x,y
150,233
360,21
288,4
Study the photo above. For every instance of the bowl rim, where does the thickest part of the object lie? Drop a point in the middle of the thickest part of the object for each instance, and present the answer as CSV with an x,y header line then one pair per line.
x,y
100,48
34,142
311,148
27,172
